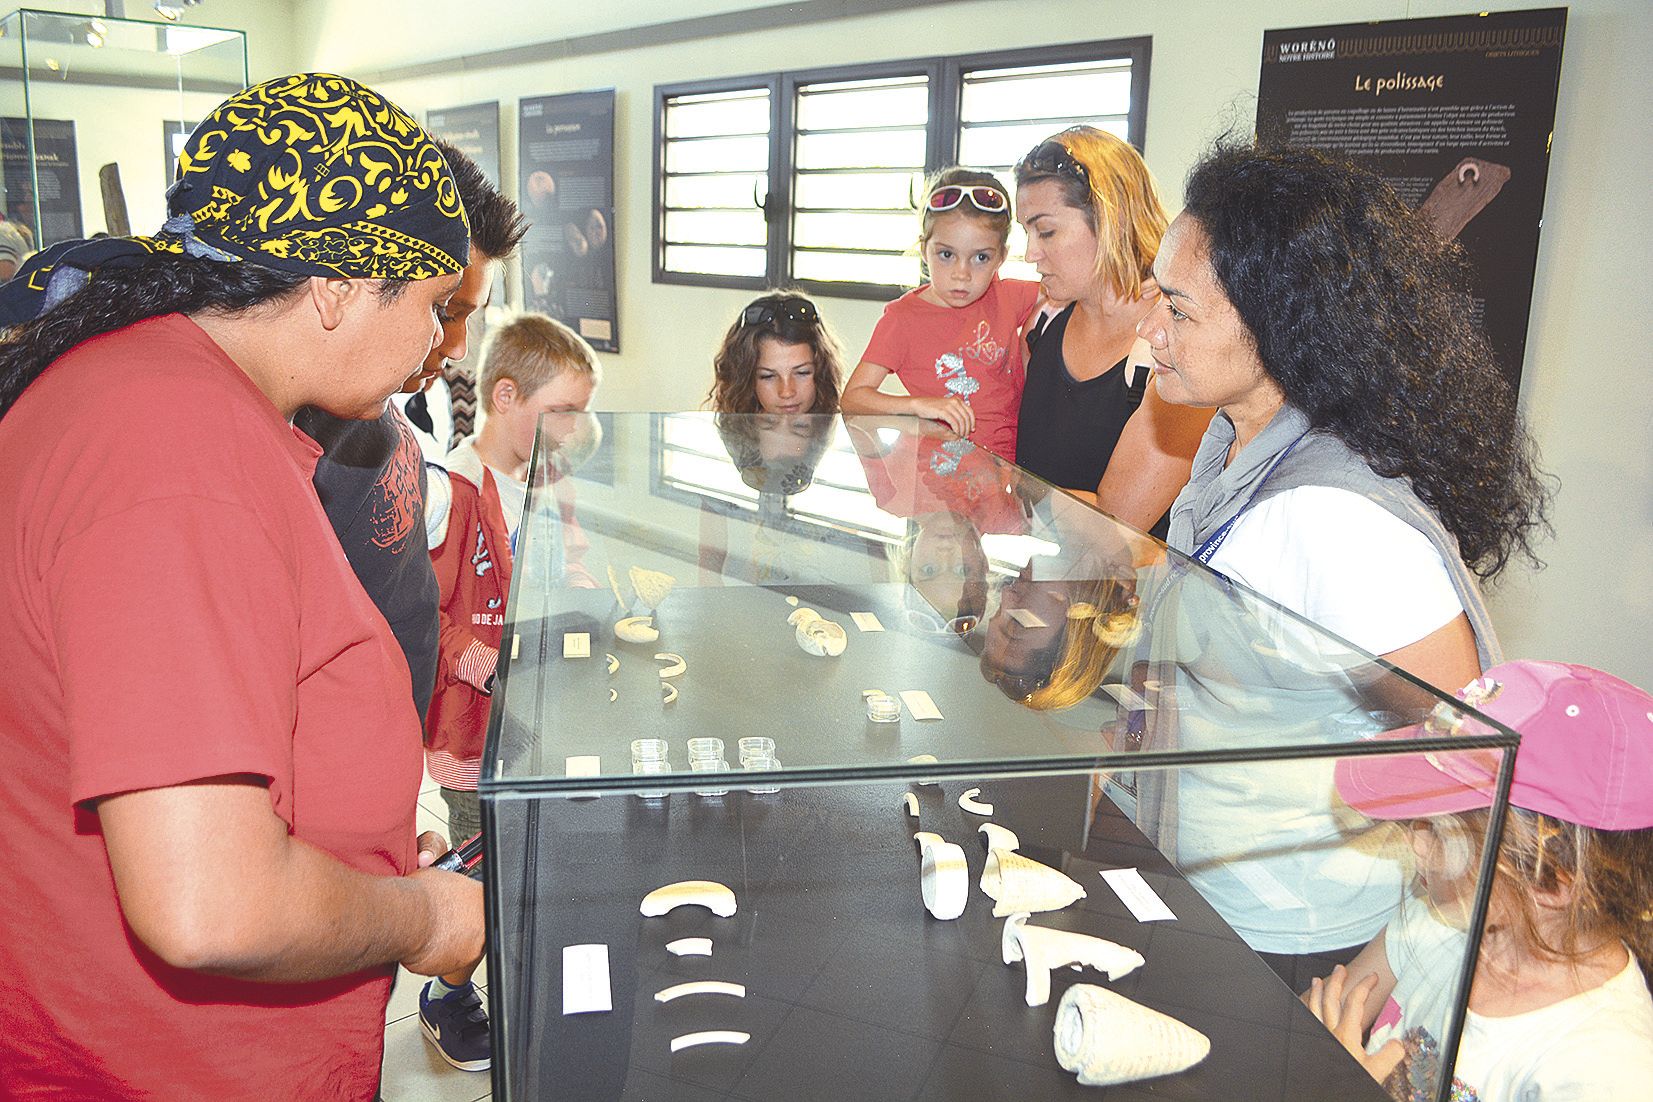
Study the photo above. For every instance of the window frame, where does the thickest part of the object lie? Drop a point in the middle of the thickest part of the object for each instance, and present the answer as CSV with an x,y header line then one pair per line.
x,y
945,77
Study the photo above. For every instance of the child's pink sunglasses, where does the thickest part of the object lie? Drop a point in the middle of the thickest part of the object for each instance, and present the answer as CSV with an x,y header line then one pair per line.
x,y
983,198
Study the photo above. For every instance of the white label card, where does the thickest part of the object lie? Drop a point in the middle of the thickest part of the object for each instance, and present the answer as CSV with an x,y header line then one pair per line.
x,y
1025,617
576,644
1138,897
919,704
585,986
516,646
583,765
866,621
1128,698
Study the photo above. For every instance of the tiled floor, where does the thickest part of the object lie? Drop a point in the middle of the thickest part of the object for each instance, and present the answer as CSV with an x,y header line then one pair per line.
x,y
413,1072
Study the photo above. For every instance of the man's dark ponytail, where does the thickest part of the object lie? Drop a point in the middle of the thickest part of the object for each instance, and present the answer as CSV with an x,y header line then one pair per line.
x,y
121,295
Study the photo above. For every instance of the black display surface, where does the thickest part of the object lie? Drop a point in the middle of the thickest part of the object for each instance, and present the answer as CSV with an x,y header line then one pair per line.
x,y
853,990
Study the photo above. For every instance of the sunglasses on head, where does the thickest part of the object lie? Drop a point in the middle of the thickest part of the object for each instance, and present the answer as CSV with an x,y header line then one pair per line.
x,y
988,199
799,310
1052,157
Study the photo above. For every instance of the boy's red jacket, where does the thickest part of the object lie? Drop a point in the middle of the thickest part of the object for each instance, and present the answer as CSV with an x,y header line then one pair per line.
x,y
473,573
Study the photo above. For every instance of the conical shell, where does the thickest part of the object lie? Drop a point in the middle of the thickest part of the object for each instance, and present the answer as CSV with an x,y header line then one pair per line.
x,y
651,586
1018,883
1108,1039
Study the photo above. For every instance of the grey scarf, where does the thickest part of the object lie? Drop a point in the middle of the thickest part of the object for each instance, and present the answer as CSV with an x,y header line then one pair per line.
x,y
1215,494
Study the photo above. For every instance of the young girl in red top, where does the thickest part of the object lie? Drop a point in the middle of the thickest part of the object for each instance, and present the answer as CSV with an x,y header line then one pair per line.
x,y
955,342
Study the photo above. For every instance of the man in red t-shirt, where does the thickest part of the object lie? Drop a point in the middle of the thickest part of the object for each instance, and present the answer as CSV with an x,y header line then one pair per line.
x,y
209,753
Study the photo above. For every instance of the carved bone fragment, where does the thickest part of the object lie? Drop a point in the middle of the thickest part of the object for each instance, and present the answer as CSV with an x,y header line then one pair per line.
x,y
715,897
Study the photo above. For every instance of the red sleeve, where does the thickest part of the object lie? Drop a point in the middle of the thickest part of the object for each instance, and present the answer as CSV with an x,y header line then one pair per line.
x,y
177,629
454,637
888,346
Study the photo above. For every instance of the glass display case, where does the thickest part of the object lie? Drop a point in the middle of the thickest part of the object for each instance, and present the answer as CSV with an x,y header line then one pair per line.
x,y
70,166
837,758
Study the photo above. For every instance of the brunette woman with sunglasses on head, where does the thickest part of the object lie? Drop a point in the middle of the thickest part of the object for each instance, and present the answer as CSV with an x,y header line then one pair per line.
x,y
1094,222
954,341
778,357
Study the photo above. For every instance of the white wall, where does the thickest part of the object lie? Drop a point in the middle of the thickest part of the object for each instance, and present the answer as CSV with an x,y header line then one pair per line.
x,y
1588,377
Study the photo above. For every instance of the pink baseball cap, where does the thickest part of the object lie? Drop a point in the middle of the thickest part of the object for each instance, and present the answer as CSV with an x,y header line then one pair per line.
x,y
1586,753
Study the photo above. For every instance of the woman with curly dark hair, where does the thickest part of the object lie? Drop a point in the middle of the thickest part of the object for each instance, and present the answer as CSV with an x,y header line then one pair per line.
x,y
1367,459
778,357
1366,463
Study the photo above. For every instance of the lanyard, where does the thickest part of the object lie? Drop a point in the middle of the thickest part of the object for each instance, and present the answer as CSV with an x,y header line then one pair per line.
x,y
1207,550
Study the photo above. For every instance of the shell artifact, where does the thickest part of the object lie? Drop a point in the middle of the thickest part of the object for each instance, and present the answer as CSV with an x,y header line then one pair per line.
x,y
715,897
614,584
1108,1039
690,947
669,692
927,838
968,801
636,629
613,663
710,1037
1043,950
802,616
1017,883
910,802
700,987
793,601
999,837
651,586
1119,630
674,664
945,879
822,638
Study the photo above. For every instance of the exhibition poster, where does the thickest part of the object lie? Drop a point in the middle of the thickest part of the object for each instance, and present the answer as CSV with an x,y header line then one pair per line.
x,y
58,169
565,166
1455,112
473,130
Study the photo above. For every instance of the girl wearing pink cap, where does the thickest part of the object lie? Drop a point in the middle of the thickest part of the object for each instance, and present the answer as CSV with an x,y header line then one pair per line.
x,y
1559,1007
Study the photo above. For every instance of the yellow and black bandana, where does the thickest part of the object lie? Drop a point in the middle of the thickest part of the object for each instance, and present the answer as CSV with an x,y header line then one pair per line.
x,y
312,174
319,175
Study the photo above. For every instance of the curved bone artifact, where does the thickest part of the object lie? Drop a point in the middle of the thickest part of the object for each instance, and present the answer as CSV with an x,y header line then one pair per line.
x,y
690,947
1017,883
700,987
968,801
651,586
715,897
710,1037
613,695
613,663
1109,1039
669,692
674,664
636,629
910,802
793,601
1119,630
1044,950
822,638
999,837
923,759
926,839
946,879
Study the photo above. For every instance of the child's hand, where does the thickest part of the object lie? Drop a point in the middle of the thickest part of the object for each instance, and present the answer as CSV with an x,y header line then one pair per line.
x,y
955,413
1341,1012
